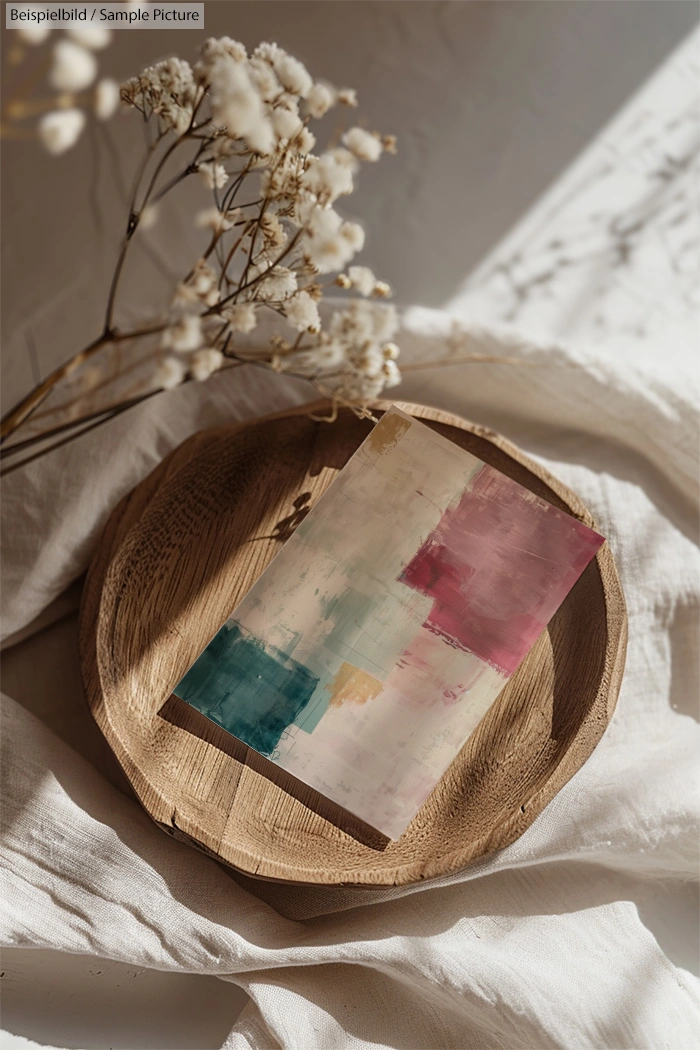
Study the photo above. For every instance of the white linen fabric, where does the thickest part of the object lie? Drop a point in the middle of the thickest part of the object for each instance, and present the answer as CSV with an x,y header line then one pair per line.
x,y
555,941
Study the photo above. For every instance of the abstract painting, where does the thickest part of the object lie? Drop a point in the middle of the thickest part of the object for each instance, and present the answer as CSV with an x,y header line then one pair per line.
x,y
377,639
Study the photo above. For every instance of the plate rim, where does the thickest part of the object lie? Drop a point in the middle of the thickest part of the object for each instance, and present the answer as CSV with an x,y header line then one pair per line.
x,y
411,871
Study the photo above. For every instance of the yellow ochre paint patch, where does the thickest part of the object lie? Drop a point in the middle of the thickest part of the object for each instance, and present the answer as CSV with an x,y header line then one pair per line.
x,y
387,433
352,685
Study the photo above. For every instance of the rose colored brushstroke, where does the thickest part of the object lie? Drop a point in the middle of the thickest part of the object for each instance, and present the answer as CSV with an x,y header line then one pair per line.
x,y
498,566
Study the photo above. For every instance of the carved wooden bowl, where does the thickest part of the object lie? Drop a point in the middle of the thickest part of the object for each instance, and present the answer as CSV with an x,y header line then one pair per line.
x,y
177,555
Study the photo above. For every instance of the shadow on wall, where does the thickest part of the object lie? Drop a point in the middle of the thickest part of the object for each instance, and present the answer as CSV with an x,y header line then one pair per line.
x,y
490,101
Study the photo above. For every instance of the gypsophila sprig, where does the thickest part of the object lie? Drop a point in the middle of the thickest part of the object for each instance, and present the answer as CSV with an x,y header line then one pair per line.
x,y
273,237
276,238
67,64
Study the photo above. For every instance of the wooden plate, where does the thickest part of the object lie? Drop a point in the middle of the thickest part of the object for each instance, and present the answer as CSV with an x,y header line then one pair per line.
x,y
183,548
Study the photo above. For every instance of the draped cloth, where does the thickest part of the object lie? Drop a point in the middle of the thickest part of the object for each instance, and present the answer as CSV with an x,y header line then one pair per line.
x,y
572,936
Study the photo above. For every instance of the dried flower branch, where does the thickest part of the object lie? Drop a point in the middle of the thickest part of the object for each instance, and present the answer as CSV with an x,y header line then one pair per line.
x,y
243,121
274,239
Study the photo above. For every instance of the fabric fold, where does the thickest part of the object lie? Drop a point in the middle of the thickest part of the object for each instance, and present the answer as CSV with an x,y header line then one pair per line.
x,y
576,935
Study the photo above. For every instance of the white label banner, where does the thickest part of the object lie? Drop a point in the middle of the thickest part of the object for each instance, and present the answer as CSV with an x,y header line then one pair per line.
x,y
115,16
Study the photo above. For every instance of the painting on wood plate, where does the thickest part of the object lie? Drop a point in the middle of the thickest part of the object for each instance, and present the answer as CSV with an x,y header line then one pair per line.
x,y
377,639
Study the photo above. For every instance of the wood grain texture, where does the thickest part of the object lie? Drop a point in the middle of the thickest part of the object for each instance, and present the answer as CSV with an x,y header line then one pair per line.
x,y
182,549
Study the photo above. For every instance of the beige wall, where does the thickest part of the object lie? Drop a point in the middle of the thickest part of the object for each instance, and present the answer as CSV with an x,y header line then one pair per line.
x,y
490,100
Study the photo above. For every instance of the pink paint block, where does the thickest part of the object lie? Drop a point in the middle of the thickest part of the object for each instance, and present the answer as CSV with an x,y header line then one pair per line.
x,y
498,566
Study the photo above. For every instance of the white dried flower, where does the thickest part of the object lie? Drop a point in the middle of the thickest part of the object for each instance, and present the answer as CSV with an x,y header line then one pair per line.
x,y
382,290
345,158
284,100
205,362
268,52
264,79
293,75
390,371
222,146
213,49
359,387
94,37
324,242
213,175
174,76
327,178
73,67
237,106
363,321
363,144
167,89
320,99
217,221
273,231
251,116
283,178
302,312
33,33
370,361
185,296
285,123
203,278
200,286
305,141
278,283
353,233
362,279
61,129
106,98
241,316
331,355
184,335
169,374
177,117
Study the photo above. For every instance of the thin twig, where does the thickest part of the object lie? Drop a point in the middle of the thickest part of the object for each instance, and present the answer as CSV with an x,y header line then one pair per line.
x,y
71,437
255,280
23,410
486,358
28,405
107,381
20,446
105,416
132,223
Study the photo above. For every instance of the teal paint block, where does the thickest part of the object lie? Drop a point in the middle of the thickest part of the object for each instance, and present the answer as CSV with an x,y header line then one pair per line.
x,y
249,690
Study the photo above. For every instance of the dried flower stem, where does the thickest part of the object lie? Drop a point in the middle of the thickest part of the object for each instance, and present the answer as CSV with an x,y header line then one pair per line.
x,y
277,251
24,409
468,359
93,418
65,406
